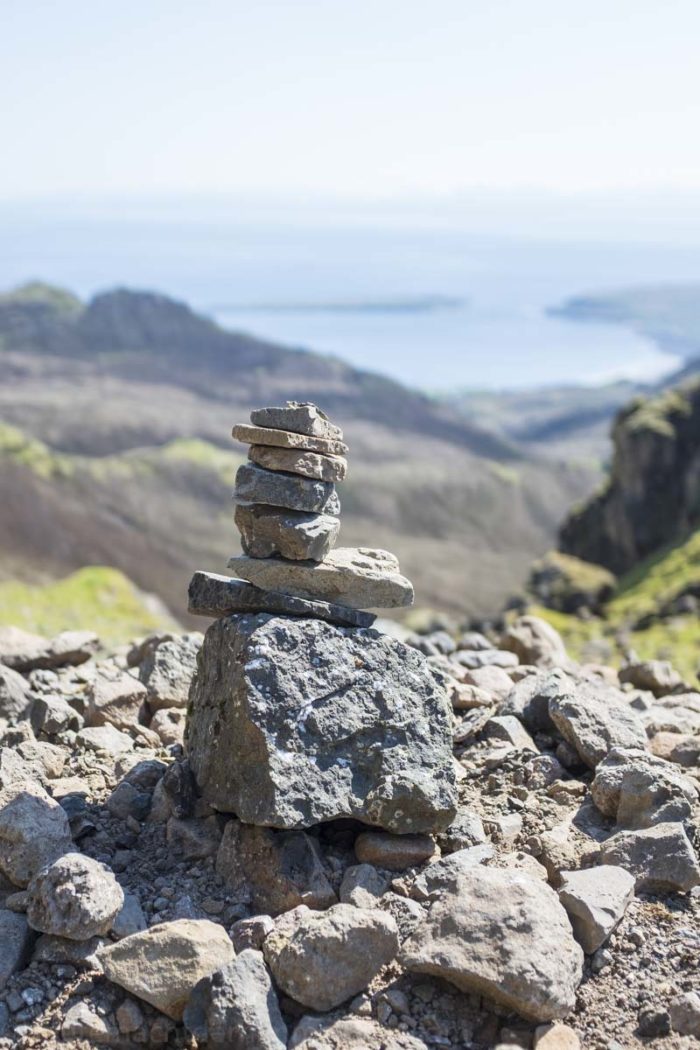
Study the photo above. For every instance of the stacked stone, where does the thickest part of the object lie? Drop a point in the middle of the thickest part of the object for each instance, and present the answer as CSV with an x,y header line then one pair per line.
x,y
287,511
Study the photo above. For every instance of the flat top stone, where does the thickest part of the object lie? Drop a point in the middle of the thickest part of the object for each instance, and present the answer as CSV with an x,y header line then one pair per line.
x,y
356,576
299,461
252,435
301,417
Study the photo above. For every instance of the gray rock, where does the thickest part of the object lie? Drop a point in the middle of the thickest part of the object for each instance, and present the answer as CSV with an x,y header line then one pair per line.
x,y
169,724
16,940
639,790
300,417
408,914
275,871
75,897
15,701
298,461
321,959
443,875
490,679
251,932
684,1012
594,719
358,577
167,671
658,676
127,800
661,858
83,1023
362,886
535,642
163,964
254,435
467,829
266,531
25,652
294,722
503,935
256,485
485,658
60,950
51,715
129,919
596,900
34,831
350,1033
529,698
236,1008
213,595
194,837
14,769
115,698
104,738
510,730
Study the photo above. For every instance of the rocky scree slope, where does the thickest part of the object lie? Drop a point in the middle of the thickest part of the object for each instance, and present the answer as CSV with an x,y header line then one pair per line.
x,y
111,452
556,906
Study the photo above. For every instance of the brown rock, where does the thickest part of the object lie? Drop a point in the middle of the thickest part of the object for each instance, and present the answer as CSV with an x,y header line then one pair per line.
x,y
252,435
393,852
299,461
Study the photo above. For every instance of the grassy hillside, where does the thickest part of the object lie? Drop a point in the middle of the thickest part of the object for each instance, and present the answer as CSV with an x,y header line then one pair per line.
x,y
94,598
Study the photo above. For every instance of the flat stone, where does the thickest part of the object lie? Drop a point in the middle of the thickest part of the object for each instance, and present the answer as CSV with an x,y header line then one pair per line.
x,y
594,719
83,1023
266,531
34,831
535,642
299,461
301,417
393,852
321,959
163,964
115,698
349,1033
596,900
216,596
356,576
295,722
167,670
104,738
256,485
274,871
661,858
505,936
75,897
236,1008
639,790
253,435
25,652
16,940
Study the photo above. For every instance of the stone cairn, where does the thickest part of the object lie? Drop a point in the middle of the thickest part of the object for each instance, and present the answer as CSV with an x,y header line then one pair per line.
x,y
299,713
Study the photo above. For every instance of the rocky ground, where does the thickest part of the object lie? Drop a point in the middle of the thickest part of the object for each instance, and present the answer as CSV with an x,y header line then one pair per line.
x,y
560,907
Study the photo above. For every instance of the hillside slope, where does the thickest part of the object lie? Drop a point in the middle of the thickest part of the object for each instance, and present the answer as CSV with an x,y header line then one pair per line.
x,y
124,408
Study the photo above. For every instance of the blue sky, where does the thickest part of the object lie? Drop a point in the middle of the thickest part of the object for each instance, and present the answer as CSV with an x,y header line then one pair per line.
x,y
378,99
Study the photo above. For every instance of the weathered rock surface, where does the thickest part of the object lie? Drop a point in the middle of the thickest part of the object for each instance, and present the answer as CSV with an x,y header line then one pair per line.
x,y
301,417
639,790
505,936
162,965
358,577
294,722
167,670
256,485
236,1008
14,695
393,852
362,886
658,676
275,871
34,831
213,595
268,531
535,642
299,461
350,1033
321,959
596,900
75,897
594,719
25,652
685,1014
660,858
254,435
444,874
16,940
117,699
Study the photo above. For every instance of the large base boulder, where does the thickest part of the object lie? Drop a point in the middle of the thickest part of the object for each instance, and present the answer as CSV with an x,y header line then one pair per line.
x,y
294,721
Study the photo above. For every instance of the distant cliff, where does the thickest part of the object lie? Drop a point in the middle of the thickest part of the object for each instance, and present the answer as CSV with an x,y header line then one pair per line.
x,y
652,497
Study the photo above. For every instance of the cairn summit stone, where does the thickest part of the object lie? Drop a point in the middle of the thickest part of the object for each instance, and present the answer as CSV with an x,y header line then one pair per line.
x,y
301,417
356,576
294,722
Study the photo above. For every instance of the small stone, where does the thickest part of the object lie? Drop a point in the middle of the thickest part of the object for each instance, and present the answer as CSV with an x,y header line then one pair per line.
x,y
75,897
299,461
653,1021
535,642
129,1017
594,719
116,699
256,485
254,435
34,831
655,676
511,731
83,1022
321,959
128,801
407,913
25,652
393,852
356,576
104,738
194,838
129,919
169,724
596,900
15,699
661,858
639,790
267,531
167,670
16,940
236,1008
162,965
51,715
685,1014
62,951
299,417
556,1037
443,875
362,885
251,932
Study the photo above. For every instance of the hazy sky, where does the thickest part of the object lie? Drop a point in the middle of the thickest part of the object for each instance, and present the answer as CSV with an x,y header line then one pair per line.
x,y
348,97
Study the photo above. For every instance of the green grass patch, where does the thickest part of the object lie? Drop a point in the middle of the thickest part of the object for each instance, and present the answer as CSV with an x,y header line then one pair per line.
x,y
95,598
